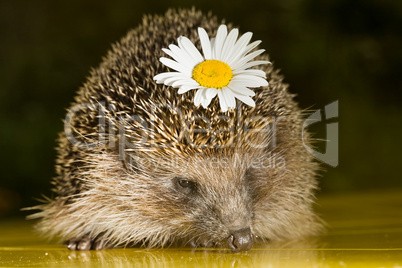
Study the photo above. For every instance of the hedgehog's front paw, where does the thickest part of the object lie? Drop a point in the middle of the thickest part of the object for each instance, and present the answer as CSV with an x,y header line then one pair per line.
x,y
85,243
204,243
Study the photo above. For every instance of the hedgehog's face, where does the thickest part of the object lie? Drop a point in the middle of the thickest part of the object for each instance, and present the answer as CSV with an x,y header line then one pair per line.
x,y
217,214
212,202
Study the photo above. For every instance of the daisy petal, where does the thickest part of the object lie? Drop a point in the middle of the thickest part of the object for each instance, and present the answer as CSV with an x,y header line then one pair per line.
x,y
251,46
160,78
219,41
206,102
190,49
198,98
222,102
185,88
181,82
183,57
205,44
229,97
249,80
175,83
211,93
243,40
247,58
255,72
172,55
167,80
170,80
239,47
249,77
240,84
242,90
246,99
229,44
175,65
252,64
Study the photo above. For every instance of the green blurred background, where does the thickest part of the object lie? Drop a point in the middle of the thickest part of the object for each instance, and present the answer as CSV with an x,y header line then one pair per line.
x,y
346,50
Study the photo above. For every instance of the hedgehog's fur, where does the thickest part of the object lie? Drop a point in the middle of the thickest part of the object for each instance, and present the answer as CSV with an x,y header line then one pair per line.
x,y
106,198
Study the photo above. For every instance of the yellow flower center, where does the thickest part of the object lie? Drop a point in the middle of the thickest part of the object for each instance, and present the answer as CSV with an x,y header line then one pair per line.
x,y
212,74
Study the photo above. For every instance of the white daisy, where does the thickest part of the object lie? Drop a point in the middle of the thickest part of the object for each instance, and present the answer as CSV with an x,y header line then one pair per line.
x,y
223,70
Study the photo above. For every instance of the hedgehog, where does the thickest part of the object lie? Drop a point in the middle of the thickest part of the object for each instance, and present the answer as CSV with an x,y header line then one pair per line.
x,y
141,165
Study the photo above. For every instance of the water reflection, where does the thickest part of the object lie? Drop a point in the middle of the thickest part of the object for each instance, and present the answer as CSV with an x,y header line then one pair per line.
x,y
273,255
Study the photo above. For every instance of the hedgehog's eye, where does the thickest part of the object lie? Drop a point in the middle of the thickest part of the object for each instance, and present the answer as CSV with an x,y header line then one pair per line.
x,y
184,185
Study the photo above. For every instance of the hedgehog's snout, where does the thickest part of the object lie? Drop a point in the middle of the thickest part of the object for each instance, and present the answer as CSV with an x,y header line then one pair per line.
x,y
240,240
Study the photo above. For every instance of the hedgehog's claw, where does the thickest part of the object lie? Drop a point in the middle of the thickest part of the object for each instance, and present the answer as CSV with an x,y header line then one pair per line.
x,y
192,244
72,244
85,243
98,245
207,243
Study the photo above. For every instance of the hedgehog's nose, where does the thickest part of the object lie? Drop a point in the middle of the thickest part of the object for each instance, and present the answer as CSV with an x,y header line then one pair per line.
x,y
240,240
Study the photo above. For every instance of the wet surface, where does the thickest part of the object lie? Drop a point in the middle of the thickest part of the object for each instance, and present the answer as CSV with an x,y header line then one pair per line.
x,y
364,230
